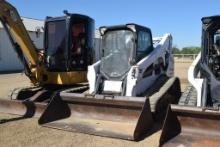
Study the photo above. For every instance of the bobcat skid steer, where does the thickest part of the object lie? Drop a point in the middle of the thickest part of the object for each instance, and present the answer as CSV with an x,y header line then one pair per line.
x,y
196,120
130,87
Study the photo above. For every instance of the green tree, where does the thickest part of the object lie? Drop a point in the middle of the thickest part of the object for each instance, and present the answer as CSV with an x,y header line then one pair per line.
x,y
189,50
176,50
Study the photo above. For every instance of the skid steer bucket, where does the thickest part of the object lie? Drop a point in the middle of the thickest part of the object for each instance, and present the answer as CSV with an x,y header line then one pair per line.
x,y
191,126
22,108
118,117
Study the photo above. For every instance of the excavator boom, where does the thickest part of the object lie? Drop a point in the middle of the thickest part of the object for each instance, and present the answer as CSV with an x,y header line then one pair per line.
x,y
19,38
12,19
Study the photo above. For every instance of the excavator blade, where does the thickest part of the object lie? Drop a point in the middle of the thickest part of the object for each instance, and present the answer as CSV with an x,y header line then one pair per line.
x,y
191,126
117,117
22,108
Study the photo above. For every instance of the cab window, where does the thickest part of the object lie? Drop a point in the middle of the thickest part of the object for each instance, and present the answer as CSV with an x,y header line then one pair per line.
x,y
78,48
144,44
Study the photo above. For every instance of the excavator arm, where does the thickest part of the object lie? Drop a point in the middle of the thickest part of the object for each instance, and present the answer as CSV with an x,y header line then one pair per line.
x,y
20,39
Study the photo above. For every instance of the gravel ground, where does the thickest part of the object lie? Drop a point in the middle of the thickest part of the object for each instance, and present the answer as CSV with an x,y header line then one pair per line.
x,y
10,81
26,132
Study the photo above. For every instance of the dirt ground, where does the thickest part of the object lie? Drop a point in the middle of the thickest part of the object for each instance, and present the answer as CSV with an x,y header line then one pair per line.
x,y
27,132
181,71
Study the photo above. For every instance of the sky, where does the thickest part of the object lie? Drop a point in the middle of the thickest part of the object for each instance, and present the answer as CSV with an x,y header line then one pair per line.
x,y
181,18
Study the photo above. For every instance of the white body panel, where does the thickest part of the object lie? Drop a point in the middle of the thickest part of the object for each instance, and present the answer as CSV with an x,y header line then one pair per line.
x,y
136,82
93,70
193,77
112,86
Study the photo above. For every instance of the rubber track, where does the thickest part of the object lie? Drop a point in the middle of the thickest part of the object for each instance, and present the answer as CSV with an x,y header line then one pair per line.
x,y
189,97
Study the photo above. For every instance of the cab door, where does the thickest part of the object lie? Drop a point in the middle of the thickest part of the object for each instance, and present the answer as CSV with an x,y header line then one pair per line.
x,y
80,44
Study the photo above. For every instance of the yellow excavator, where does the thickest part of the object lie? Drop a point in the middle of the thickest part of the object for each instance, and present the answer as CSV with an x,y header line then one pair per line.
x,y
57,65
68,50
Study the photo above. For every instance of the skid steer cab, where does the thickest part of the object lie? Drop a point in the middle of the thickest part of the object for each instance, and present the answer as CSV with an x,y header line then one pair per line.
x,y
131,61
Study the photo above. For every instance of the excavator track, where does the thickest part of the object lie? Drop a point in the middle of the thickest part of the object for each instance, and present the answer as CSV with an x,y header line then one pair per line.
x,y
42,94
27,106
16,93
33,94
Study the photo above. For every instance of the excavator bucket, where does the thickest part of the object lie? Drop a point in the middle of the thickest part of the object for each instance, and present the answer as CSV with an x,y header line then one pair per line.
x,y
22,108
191,126
112,116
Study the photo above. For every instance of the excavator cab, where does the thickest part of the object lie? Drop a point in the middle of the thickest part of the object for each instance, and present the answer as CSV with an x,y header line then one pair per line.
x,y
68,42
